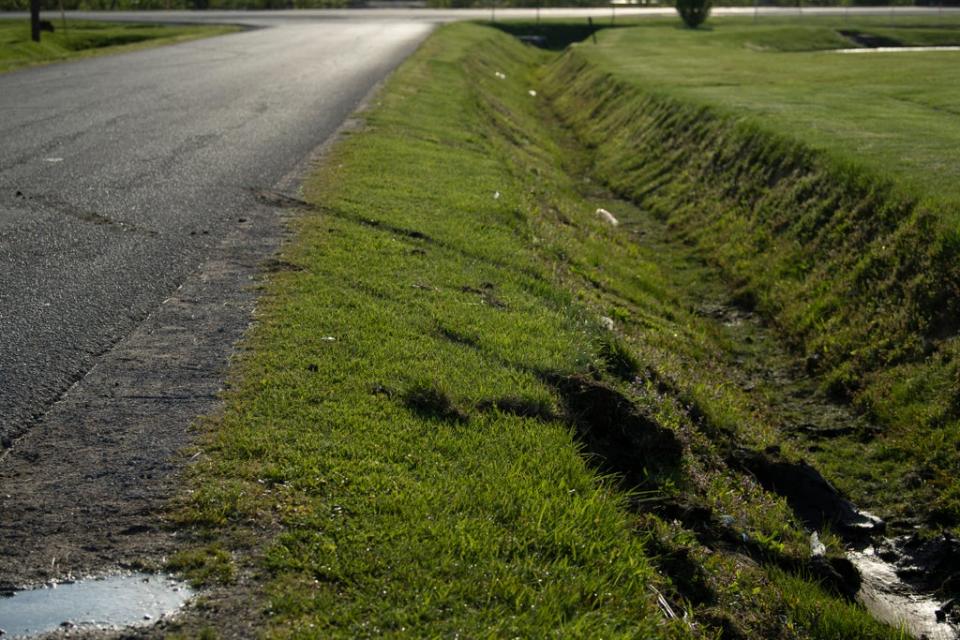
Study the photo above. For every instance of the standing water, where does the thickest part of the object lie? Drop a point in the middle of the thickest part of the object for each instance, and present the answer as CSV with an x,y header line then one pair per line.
x,y
889,600
98,603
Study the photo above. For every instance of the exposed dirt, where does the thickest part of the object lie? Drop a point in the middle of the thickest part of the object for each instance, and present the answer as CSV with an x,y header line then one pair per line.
x,y
869,40
613,429
812,498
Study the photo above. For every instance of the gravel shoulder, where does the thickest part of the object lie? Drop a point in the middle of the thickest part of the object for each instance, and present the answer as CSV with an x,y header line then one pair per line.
x,y
84,491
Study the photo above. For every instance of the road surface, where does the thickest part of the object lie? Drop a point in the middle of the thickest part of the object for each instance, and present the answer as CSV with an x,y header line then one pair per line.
x,y
118,173
137,199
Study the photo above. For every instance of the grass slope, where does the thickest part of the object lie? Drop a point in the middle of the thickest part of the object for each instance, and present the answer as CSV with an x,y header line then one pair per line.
x,y
420,436
893,113
84,39
853,255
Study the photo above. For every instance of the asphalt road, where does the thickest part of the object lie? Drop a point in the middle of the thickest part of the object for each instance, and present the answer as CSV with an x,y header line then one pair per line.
x,y
118,175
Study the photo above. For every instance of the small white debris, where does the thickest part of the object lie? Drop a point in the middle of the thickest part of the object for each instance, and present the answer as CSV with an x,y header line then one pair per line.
x,y
607,323
607,217
500,75
817,548
532,93
496,195
53,159
328,339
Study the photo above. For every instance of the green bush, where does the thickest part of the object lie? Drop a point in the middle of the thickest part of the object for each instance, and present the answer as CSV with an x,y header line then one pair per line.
x,y
693,12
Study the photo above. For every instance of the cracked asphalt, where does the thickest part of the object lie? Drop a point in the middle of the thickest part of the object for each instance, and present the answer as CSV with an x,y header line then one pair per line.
x,y
119,174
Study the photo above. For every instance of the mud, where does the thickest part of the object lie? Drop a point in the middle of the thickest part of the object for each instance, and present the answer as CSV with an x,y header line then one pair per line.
x,y
907,582
759,361
817,503
904,581
616,433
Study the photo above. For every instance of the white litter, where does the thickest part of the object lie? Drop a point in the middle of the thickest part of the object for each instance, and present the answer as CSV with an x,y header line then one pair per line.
x,y
607,323
496,195
607,217
532,93
896,49
500,75
817,548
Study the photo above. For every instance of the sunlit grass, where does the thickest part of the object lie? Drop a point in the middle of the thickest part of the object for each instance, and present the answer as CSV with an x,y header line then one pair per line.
x,y
79,39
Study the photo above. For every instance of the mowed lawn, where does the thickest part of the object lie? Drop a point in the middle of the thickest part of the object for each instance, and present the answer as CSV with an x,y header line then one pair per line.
x,y
896,113
82,39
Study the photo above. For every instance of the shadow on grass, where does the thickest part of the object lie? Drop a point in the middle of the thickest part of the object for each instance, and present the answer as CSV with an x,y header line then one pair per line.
x,y
553,36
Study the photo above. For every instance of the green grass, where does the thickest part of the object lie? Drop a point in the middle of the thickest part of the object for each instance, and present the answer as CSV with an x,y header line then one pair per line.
x,y
84,39
398,454
894,113
823,186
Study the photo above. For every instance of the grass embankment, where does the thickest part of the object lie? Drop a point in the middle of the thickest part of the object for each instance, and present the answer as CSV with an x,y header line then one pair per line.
x,y
825,186
418,438
85,39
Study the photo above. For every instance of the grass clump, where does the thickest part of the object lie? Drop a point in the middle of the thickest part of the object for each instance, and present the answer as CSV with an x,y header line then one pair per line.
x,y
84,39
204,566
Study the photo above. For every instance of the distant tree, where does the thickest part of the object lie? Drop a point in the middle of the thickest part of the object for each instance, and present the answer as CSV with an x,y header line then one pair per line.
x,y
693,12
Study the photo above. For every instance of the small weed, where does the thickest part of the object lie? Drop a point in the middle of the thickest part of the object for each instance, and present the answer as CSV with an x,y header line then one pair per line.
x,y
617,359
430,401
204,566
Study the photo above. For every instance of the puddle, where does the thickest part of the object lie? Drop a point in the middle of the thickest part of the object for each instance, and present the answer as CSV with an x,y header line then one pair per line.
x,y
98,603
889,600
895,49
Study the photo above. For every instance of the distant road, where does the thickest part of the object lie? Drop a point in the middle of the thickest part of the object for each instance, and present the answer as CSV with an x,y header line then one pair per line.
x,y
278,18
118,175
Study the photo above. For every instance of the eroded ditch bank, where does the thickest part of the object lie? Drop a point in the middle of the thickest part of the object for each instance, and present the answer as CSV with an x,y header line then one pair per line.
x,y
898,579
785,227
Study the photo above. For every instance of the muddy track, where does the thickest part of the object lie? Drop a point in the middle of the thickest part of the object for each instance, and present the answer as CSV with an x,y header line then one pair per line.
x,y
84,491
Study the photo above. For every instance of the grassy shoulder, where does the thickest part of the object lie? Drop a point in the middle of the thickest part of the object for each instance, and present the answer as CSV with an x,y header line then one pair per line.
x,y
853,256
83,39
434,430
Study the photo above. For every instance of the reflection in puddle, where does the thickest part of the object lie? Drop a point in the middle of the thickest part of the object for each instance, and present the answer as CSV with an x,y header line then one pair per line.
x,y
893,602
115,601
